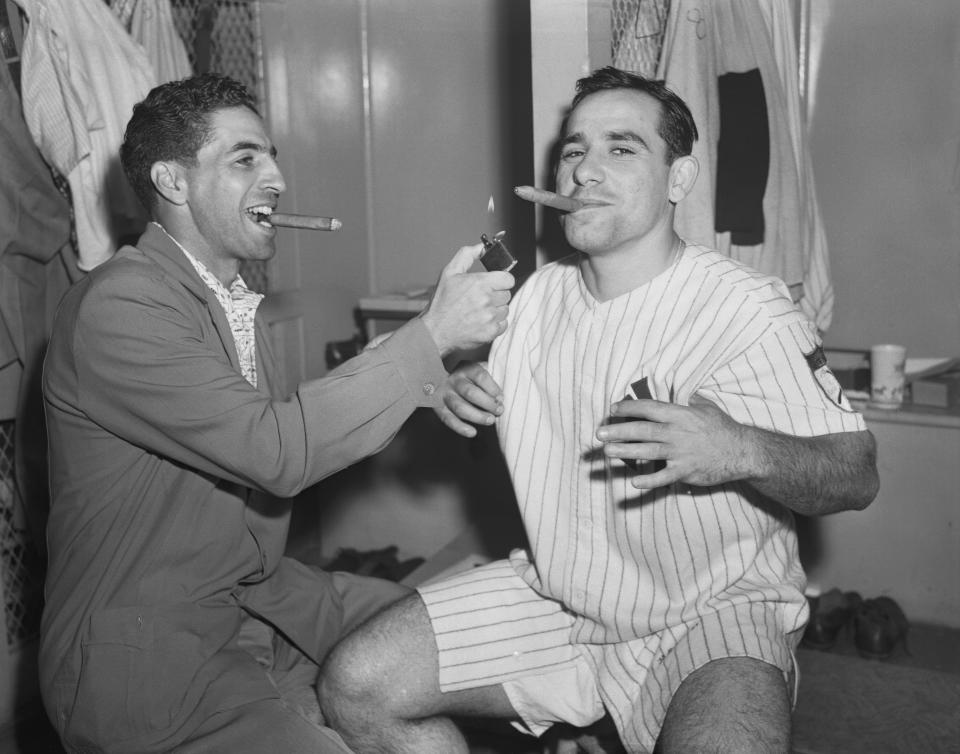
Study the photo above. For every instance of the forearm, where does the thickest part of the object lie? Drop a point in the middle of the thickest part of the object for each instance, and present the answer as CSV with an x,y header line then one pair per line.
x,y
813,475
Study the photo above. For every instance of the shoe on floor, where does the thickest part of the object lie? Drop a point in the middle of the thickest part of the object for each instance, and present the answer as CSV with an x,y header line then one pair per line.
x,y
829,612
879,626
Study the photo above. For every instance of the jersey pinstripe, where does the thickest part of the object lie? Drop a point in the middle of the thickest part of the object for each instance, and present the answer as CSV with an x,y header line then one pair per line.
x,y
636,572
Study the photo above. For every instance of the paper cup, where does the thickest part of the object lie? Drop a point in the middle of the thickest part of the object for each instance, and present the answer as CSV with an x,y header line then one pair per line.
x,y
887,362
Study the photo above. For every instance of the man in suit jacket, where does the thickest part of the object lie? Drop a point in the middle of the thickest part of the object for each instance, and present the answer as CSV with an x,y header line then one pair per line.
x,y
173,621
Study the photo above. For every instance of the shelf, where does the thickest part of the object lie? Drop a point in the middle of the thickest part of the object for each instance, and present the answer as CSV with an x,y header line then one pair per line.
x,y
910,413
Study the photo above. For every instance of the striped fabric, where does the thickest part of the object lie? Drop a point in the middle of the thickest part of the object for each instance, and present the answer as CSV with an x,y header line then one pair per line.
x,y
653,584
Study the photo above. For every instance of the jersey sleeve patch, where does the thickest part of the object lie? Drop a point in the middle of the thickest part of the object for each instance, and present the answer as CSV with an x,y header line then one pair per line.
x,y
817,361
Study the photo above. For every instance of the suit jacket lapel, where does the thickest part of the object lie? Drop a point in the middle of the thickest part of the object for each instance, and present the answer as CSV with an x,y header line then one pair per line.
x,y
162,250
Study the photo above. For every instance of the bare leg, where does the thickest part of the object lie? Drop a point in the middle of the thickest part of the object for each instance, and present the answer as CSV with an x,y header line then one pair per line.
x,y
734,704
379,688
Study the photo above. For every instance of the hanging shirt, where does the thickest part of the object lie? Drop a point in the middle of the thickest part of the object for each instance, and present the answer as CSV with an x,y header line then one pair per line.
x,y
150,23
704,40
81,76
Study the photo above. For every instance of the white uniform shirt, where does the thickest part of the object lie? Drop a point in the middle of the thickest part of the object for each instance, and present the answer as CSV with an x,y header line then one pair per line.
x,y
631,564
631,592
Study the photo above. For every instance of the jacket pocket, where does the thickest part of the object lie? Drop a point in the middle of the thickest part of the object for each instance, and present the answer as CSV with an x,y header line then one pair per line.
x,y
135,678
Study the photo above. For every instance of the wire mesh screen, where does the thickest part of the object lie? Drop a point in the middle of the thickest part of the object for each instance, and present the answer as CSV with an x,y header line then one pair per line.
x,y
21,564
223,36
637,29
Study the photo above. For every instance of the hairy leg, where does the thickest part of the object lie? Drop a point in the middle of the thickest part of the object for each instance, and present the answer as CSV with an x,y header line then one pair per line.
x,y
733,704
379,688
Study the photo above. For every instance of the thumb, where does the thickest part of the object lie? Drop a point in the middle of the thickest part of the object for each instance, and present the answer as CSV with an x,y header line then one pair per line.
x,y
698,400
463,260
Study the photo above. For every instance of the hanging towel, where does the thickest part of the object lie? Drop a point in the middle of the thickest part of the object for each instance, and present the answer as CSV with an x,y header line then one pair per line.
x,y
81,76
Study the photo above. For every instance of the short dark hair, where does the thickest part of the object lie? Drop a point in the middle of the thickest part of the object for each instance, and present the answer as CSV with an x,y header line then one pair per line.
x,y
173,123
676,126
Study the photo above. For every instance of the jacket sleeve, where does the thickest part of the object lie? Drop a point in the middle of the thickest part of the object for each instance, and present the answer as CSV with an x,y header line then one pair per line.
x,y
152,369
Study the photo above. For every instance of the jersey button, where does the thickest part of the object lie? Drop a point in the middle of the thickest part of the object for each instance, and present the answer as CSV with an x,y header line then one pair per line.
x,y
429,388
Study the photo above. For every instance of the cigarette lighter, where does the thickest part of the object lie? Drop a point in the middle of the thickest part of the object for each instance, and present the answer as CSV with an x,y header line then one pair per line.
x,y
495,255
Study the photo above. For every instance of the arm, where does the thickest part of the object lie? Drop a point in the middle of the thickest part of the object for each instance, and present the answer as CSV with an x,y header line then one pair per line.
x,y
153,370
816,475
704,447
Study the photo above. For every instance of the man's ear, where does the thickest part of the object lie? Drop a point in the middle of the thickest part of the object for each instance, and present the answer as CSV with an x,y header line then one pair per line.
x,y
683,174
169,181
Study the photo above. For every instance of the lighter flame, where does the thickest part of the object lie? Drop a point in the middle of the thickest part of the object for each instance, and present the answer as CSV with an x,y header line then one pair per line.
x,y
490,207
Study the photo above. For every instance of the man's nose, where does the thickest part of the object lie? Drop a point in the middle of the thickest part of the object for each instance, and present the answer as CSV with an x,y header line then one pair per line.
x,y
273,177
588,170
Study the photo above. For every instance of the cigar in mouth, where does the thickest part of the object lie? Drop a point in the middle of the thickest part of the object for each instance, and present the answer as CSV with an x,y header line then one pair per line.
x,y
307,222
548,198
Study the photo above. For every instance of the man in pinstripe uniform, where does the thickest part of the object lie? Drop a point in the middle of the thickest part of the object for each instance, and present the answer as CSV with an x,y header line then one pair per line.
x,y
671,600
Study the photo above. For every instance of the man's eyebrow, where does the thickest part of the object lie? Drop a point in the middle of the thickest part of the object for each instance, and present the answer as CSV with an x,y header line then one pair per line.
x,y
240,146
625,136
632,136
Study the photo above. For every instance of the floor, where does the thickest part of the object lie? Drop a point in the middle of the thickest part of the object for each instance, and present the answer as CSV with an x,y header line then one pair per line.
x,y
834,686
907,703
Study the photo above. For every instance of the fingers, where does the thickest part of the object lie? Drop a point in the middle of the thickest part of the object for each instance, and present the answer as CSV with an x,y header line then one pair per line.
x,y
657,479
481,377
460,427
641,450
463,260
475,388
644,408
470,397
471,413
641,430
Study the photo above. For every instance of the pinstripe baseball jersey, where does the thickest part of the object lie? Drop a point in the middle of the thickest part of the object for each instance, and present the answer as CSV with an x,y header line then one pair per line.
x,y
640,575
628,563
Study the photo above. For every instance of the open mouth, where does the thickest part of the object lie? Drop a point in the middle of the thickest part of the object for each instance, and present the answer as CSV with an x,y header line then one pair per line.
x,y
261,215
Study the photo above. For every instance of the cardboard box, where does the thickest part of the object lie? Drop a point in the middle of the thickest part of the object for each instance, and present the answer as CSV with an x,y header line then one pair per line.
x,y
850,367
938,390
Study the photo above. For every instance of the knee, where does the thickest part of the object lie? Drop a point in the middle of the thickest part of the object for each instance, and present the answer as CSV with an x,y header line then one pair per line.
x,y
731,704
365,675
346,683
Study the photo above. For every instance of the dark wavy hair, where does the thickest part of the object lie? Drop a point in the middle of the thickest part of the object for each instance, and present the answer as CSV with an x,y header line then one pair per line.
x,y
676,125
173,123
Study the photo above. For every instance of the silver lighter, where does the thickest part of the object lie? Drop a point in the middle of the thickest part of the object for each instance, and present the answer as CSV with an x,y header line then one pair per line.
x,y
495,255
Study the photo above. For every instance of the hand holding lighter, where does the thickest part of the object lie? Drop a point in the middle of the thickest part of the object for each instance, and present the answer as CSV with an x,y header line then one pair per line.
x,y
495,255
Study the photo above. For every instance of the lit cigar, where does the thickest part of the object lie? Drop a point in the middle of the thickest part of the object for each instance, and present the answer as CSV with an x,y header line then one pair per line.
x,y
548,198
306,222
